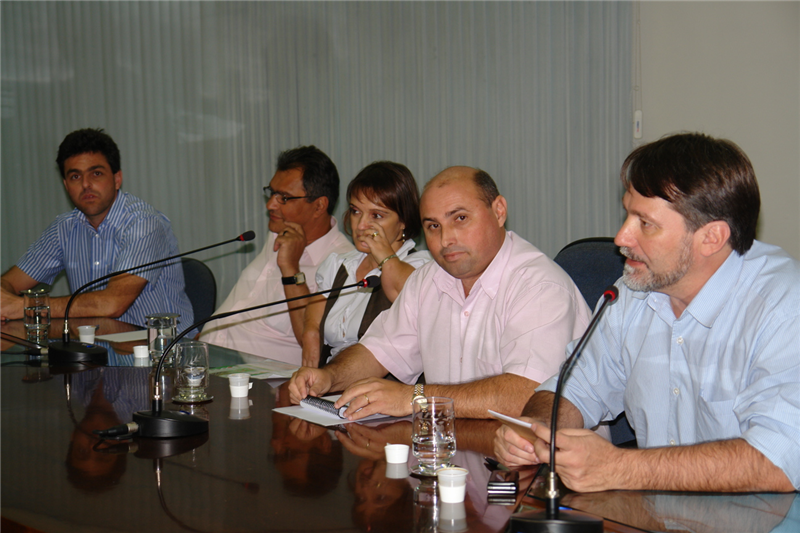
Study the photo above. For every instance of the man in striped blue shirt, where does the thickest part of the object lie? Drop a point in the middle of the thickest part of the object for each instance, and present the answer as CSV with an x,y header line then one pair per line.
x,y
700,352
109,230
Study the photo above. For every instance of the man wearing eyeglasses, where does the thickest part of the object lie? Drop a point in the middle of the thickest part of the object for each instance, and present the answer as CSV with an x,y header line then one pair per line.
x,y
300,201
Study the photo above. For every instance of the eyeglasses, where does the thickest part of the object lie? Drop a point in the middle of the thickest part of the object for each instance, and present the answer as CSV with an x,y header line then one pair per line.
x,y
282,198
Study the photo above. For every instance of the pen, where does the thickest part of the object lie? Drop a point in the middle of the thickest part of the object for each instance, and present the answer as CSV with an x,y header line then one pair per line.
x,y
493,464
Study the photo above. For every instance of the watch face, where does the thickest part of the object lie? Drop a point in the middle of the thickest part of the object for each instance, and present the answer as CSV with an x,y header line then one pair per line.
x,y
299,278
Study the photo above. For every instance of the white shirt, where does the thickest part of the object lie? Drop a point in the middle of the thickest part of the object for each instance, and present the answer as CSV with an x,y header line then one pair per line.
x,y
344,319
268,332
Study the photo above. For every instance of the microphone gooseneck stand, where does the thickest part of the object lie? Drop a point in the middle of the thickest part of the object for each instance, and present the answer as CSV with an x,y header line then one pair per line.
x,y
553,519
161,424
66,352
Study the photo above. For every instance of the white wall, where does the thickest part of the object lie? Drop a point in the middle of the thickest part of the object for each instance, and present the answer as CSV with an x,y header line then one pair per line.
x,y
732,70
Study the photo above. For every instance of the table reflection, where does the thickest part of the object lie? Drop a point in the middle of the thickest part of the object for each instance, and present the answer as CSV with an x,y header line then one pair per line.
x,y
681,511
383,502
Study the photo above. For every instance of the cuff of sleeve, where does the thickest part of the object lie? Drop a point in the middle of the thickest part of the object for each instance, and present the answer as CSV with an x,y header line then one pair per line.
x,y
779,448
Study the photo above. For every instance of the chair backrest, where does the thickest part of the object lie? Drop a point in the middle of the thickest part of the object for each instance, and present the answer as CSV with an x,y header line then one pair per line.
x,y
594,264
201,287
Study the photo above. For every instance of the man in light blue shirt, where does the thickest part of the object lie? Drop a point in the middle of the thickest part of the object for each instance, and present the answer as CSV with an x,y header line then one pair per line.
x,y
109,230
700,352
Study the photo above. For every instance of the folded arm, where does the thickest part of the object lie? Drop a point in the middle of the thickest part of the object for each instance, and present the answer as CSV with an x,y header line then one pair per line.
x,y
112,301
14,281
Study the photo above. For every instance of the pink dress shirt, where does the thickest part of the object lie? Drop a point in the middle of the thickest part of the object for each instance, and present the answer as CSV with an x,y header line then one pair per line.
x,y
519,317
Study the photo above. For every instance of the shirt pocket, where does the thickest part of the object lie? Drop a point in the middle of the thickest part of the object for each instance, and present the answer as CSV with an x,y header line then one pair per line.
x,y
716,420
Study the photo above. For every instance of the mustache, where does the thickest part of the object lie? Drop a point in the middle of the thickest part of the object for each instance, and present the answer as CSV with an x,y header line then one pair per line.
x,y
452,249
624,250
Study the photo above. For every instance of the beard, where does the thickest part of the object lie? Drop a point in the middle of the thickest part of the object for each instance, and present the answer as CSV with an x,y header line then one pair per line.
x,y
648,281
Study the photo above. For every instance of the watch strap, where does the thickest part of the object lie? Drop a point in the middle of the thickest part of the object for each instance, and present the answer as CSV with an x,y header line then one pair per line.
x,y
297,279
419,391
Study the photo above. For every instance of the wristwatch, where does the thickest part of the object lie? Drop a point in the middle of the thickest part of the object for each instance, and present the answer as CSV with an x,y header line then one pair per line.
x,y
419,392
297,279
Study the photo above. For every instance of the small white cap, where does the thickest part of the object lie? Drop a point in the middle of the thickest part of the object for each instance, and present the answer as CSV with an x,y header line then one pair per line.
x,y
142,351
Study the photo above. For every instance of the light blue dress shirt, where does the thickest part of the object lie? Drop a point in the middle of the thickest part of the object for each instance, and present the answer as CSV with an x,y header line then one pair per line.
x,y
133,233
729,367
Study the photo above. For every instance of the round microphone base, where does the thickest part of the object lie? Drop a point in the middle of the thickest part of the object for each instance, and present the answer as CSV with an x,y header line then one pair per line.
x,y
169,424
161,448
67,353
567,522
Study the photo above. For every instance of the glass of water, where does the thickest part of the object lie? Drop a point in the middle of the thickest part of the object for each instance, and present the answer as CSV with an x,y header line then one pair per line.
x,y
36,304
433,433
191,366
161,329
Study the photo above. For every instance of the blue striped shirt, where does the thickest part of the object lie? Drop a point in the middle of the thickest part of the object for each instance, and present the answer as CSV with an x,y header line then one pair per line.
x,y
132,234
728,368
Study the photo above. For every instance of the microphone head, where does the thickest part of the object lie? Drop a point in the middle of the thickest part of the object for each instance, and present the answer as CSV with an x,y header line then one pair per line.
x,y
611,293
371,281
247,236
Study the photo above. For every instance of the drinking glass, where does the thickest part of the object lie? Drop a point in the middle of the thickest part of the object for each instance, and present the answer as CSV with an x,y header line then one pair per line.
x,y
433,434
161,329
191,365
36,304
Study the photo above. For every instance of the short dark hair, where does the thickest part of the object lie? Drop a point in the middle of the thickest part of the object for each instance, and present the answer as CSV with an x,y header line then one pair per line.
x,y
320,177
88,140
391,185
487,186
705,179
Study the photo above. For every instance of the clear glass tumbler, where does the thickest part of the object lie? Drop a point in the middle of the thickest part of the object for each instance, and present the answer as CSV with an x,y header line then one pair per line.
x,y
191,366
433,433
36,305
162,328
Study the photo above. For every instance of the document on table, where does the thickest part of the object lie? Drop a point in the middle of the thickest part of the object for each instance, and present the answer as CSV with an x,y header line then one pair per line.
x,y
323,418
266,369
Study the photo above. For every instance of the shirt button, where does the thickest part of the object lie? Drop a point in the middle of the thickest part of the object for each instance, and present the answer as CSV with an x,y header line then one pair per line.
x,y
676,391
672,442
680,340
466,313
97,262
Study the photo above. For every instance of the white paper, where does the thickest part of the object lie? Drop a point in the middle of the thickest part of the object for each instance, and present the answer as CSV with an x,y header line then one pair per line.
x,y
264,369
311,414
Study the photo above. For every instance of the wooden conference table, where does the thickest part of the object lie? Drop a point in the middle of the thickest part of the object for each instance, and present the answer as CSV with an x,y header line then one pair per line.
x,y
267,472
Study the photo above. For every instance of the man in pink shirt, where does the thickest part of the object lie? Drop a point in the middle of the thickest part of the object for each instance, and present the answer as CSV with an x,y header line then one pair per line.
x,y
486,322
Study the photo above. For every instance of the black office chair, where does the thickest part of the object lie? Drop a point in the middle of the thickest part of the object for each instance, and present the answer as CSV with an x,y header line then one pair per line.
x,y
594,264
201,287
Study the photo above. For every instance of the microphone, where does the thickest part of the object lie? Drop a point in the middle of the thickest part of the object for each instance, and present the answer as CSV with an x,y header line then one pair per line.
x,y
558,520
161,424
65,351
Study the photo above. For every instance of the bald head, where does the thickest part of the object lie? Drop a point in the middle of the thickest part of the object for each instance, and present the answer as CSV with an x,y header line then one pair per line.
x,y
462,218
482,181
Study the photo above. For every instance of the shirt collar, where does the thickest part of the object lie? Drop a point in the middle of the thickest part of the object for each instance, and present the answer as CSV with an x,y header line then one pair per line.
x,y
114,214
709,302
321,248
706,306
488,282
